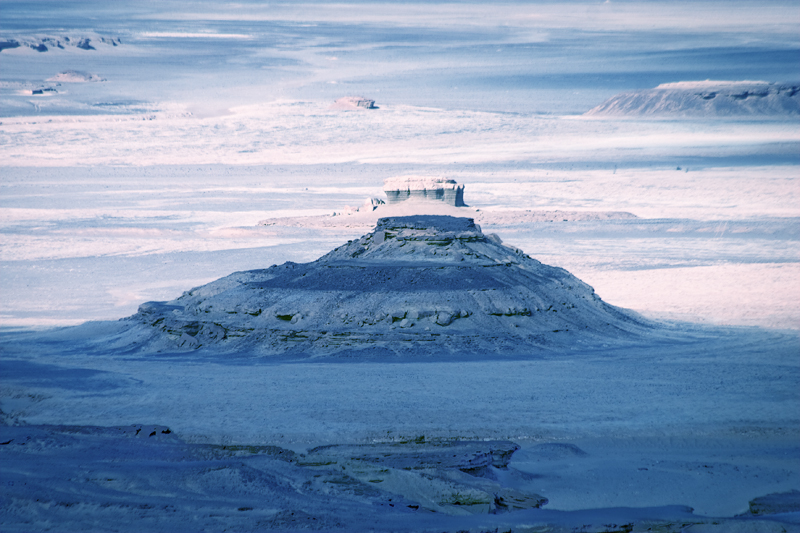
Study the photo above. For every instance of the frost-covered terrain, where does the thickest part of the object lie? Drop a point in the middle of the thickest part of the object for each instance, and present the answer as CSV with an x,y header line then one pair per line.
x,y
418,285
708,99
141,145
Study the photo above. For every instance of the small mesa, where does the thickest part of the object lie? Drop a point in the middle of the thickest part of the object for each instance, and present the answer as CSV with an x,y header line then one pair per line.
x,y
403,188
353,103
706,99
76,76
43,91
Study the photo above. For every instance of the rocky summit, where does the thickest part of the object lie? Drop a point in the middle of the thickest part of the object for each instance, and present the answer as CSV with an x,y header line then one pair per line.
x,y
417,285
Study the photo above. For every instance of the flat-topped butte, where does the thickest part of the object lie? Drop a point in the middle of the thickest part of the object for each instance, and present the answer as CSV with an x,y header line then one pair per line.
x,y
424,188
707,99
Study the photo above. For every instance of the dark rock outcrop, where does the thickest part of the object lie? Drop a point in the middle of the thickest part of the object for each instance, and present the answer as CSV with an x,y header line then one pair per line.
x,y
420,454
84,44
11,43
45,44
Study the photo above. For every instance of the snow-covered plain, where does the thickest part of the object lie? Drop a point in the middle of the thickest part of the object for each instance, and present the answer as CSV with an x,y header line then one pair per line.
x,y
213,117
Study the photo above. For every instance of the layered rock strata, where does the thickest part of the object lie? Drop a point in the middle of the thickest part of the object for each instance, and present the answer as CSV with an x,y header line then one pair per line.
x,y
404,188
414,285
96,467
707,99
75,76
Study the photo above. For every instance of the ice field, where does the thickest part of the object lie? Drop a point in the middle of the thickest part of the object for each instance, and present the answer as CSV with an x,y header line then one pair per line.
x,y
213,116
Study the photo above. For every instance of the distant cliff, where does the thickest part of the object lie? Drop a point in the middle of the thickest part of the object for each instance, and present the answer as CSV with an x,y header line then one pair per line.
x,y
707,99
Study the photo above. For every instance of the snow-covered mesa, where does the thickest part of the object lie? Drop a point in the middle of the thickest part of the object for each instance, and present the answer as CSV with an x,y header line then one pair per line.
x,y
414,285
75,76
707,99
416,188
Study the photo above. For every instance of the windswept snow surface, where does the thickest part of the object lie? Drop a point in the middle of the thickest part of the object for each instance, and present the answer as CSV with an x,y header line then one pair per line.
x,y
212,117
706,419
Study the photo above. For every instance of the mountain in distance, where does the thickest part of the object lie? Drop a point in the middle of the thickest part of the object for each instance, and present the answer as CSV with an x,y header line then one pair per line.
x,y
706,99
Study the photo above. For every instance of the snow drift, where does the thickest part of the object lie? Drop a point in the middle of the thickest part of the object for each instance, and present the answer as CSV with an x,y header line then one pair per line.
x,y
707,99
419,284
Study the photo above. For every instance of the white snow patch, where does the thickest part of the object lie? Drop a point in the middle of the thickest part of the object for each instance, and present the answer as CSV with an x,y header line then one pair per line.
x,y
706,294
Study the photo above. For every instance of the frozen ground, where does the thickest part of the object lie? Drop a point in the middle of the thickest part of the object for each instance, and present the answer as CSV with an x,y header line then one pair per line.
x,y
709,421
212,119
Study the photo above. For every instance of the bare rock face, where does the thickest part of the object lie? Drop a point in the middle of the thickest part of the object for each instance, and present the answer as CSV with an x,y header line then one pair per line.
x,y
9,44
85,44
353,102
403,188
707,99
415,285
467,456
458,475
43,91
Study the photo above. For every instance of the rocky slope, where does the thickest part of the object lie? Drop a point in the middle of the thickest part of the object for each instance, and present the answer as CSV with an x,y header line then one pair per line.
x,y
707,99
419,284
